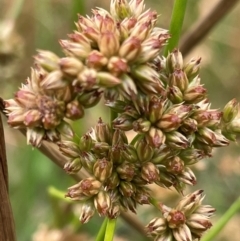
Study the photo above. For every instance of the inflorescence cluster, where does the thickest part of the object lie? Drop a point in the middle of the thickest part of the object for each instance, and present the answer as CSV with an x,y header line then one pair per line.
x,y
116,56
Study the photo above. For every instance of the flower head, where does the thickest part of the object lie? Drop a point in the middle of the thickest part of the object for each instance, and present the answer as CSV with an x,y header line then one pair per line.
x,y
188,221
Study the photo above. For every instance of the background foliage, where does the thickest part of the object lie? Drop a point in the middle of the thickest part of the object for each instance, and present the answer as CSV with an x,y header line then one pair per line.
x,y
40,25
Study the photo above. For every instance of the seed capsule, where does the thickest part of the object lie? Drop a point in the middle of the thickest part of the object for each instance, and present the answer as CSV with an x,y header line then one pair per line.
x,y
102,169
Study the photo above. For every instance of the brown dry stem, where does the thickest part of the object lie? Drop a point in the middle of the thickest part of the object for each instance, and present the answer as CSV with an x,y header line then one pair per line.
x,y
202,27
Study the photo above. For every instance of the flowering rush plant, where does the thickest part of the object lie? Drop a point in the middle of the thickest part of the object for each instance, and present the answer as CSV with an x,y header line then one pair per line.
x,y
116,56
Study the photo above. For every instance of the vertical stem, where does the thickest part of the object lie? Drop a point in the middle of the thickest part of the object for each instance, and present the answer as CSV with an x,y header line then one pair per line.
x,y
15,10
177,18
78,7
111,224
113,115
101,233
214,231
7,229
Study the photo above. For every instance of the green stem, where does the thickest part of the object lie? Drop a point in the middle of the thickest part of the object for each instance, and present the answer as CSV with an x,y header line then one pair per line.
x,y
113,116
101,233
136,138
111,224
54,192
177,18
155,203
78,7
15,10
214,231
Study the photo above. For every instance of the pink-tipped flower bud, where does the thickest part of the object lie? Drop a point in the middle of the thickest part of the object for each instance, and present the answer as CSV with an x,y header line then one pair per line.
x,y
176,140
120,9
117,66
103,132
195,94
106,24
73,166
156,108
47,60
102,203
175,95
73,49
148,79
24,97
144,151
74,110
189,126
150,173
32,118
169,122
137,7
130,49
107,80
155,137
123,122
207,136
208,118
230,110
141,30
142,196
161,154
126,171
87,187
187,176
96,60
86,79
174,61
53,81
80,38
192,68
157,226
199,221
35,136
119,138
113,181
141,125
90,98
70,66
175,218
102,169
178,78
175,165
114,211
108,44
127,189
148,15
87,211
182,233
86,142
128,87
88,160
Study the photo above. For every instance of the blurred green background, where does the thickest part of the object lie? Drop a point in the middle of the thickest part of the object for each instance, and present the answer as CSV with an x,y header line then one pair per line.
x,y
39,25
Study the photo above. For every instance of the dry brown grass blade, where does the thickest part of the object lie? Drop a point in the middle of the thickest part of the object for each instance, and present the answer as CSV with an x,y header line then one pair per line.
x,y
50,150
202,27
7,230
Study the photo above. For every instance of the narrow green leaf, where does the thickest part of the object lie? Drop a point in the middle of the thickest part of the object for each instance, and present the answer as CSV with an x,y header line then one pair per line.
x,y
177,18
216,229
